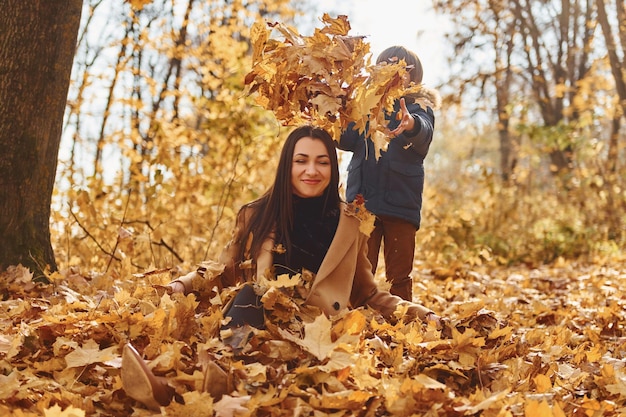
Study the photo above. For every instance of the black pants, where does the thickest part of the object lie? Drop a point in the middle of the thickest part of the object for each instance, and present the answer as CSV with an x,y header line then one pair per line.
x,y
246,308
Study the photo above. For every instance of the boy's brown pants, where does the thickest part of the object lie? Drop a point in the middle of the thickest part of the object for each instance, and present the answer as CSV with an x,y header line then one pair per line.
x,y
398,239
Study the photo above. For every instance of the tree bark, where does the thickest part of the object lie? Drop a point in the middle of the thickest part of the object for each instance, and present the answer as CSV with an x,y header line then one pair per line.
x,y
503,82
617,65
37,44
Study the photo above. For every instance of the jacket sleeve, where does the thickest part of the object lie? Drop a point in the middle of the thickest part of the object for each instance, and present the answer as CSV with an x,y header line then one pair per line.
x,y
418,140
349,139
365,292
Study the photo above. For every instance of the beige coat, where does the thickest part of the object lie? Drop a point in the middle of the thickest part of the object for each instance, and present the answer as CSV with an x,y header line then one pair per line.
x,y
344,279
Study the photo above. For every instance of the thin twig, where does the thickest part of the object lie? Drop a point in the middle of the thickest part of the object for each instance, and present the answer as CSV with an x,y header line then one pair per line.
x,y
168,247
89,235
223,200
117,241
153,242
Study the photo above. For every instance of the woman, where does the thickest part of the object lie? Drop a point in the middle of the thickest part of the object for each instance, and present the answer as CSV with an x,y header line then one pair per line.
x,y
299,225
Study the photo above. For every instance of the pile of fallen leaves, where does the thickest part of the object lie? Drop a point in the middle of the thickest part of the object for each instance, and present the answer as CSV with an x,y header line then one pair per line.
x,y
519,342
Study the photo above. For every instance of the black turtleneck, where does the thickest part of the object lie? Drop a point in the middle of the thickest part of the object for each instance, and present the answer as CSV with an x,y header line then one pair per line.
x,y
313,231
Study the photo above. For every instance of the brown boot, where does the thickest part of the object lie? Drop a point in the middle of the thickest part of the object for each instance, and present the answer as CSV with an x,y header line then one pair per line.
x,y
403,288
216,381
140,383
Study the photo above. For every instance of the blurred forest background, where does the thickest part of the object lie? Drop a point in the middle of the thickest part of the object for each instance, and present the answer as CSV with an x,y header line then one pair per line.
x,y
161,144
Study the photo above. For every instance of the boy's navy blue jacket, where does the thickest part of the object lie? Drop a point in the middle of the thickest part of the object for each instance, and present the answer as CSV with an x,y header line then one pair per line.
x,y
393,184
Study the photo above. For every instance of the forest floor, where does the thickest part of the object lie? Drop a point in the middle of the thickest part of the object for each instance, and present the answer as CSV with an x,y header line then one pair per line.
x,y
519,341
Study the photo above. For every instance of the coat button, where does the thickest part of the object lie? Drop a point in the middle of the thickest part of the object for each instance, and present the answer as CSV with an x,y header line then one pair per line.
x,y
336,305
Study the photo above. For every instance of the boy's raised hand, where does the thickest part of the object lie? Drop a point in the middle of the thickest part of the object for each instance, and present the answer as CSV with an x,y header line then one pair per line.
x,y
406,122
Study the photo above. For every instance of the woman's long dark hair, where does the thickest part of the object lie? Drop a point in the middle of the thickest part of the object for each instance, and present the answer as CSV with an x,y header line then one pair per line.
x,y
273,211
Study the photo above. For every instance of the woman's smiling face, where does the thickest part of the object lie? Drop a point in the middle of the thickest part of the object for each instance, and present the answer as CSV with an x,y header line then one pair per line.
x,y
310,169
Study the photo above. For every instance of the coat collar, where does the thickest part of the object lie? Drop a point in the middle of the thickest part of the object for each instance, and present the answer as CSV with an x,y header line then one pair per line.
x,y
347,232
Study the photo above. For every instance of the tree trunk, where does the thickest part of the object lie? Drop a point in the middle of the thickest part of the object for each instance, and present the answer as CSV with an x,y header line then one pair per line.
x,y
617,65
503,77
37,44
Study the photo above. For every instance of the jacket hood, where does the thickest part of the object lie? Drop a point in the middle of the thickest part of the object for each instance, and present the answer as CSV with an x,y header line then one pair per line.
x,y
427,97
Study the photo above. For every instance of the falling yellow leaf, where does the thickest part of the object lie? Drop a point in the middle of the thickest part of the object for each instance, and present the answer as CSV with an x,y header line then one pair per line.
x,y
338,26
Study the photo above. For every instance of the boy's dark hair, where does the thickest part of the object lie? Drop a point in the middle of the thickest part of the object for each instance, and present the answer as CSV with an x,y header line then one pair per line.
x,y
397,53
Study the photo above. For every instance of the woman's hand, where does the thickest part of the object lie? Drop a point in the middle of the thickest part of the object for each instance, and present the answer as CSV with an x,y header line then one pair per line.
x,y
175,287
407,122
432,317
170,288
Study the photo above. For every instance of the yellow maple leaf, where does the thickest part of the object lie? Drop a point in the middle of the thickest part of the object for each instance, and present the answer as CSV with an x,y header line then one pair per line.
x,y
280,303
18,274
428,383
90,353
353,322
485,404
339,360
344,400
543,383
229,406
366,218
259,35
338,26
470,308
281,281
381,141
280,349
535,408
505,332
326,105
9,385
57,411
317,338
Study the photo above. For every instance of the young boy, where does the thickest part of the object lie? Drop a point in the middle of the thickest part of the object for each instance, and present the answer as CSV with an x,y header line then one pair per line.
x,y
393,185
